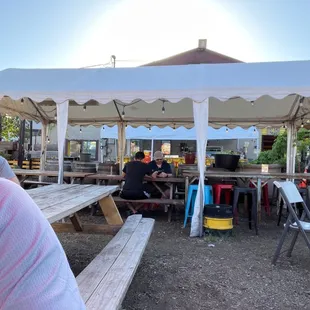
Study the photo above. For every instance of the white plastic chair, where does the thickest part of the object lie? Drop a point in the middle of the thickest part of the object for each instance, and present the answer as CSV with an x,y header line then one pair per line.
x,y
291,196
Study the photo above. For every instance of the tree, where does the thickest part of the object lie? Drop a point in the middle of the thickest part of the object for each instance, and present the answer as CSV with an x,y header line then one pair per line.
x,y
10,128
277,155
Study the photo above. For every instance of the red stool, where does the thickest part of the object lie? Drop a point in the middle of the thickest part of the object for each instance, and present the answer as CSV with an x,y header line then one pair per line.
x,y
217,191
265,197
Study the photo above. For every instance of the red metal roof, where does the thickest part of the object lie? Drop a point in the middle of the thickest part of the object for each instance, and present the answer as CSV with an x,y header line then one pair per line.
x,y
194,56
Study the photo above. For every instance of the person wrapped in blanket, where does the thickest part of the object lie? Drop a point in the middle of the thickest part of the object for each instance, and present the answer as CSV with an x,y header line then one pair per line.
x,y
35,273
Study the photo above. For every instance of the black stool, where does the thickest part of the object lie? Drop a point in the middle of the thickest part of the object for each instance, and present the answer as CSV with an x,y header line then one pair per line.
x,y
252,207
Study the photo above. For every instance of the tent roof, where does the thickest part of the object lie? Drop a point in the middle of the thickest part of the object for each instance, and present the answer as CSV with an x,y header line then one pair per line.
x,y
180,133
276,89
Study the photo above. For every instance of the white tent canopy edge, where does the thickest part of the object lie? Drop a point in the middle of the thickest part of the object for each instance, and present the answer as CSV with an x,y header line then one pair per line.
x,y
288,81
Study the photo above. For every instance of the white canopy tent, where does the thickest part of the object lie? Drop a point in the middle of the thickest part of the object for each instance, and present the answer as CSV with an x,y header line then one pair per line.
x,y
260,94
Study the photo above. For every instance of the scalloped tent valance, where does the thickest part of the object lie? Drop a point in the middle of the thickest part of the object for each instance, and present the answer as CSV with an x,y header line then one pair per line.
x,y
276,89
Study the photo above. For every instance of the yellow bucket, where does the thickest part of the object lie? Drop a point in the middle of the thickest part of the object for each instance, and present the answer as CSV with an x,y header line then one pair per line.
x,y
218,223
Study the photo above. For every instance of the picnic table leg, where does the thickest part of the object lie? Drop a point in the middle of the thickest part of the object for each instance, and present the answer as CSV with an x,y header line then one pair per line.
x,y
75,220
186,188
171,206
110,211
259,197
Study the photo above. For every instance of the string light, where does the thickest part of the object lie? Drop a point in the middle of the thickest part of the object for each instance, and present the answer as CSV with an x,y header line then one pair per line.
x,y
254,129
252,103
22,101
123,113
226,128
173,126
84,108
284,125
163,108
103,127
126,125
80,129
48,140
302,123
55,116
301,101
150,127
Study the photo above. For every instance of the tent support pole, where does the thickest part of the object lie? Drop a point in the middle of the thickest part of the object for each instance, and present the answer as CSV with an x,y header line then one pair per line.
x,y
121,144
152,149
43,148
291,147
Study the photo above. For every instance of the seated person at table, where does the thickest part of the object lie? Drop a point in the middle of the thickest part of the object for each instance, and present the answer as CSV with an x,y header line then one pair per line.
x,y
34,273
159,169
6,172
134,173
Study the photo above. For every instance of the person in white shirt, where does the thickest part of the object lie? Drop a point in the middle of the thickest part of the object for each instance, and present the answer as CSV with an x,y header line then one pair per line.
x,y
34,271
6,171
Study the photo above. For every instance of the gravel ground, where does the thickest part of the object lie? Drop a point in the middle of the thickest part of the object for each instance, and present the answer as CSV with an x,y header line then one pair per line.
x,y
178,272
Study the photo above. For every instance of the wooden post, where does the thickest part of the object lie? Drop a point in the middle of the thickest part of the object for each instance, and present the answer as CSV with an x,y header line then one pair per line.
x,y
121,144
43,148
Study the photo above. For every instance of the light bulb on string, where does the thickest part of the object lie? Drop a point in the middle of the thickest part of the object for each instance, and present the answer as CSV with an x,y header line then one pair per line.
x,y
80,129
254,129
55,116
226,128
48,140
103,127
123,113
150,127
163,109
302,123
84,107
301,101
173,127
22,101
252,103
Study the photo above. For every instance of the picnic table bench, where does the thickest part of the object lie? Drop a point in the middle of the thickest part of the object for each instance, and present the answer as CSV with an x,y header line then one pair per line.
x,y
170,182
104,282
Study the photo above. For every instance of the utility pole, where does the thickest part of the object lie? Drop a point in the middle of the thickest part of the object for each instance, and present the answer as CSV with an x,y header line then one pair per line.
x,y
113,60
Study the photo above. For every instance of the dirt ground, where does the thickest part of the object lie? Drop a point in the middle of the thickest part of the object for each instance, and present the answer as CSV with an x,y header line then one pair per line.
x,y
179,272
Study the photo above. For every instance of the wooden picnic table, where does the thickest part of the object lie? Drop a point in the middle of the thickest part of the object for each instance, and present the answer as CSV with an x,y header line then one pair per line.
x,y
58,201
170,182
257,179
24,174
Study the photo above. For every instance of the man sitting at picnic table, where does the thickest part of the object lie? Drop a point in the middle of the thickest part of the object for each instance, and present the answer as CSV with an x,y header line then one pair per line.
x,y
134,187
159,169
6,172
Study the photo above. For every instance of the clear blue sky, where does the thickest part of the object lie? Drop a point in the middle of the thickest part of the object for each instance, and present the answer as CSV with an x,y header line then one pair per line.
x,y
77,33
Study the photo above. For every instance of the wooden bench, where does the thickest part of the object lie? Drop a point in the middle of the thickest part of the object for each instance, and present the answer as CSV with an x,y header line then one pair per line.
x,y
37,182
159,201
104,282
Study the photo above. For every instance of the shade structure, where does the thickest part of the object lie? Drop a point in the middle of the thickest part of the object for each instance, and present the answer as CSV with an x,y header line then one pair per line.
x,y
276,89
260,94
181,133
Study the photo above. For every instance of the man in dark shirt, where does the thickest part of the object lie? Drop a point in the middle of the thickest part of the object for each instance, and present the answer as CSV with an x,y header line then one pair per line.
x,y
159,169
134,173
